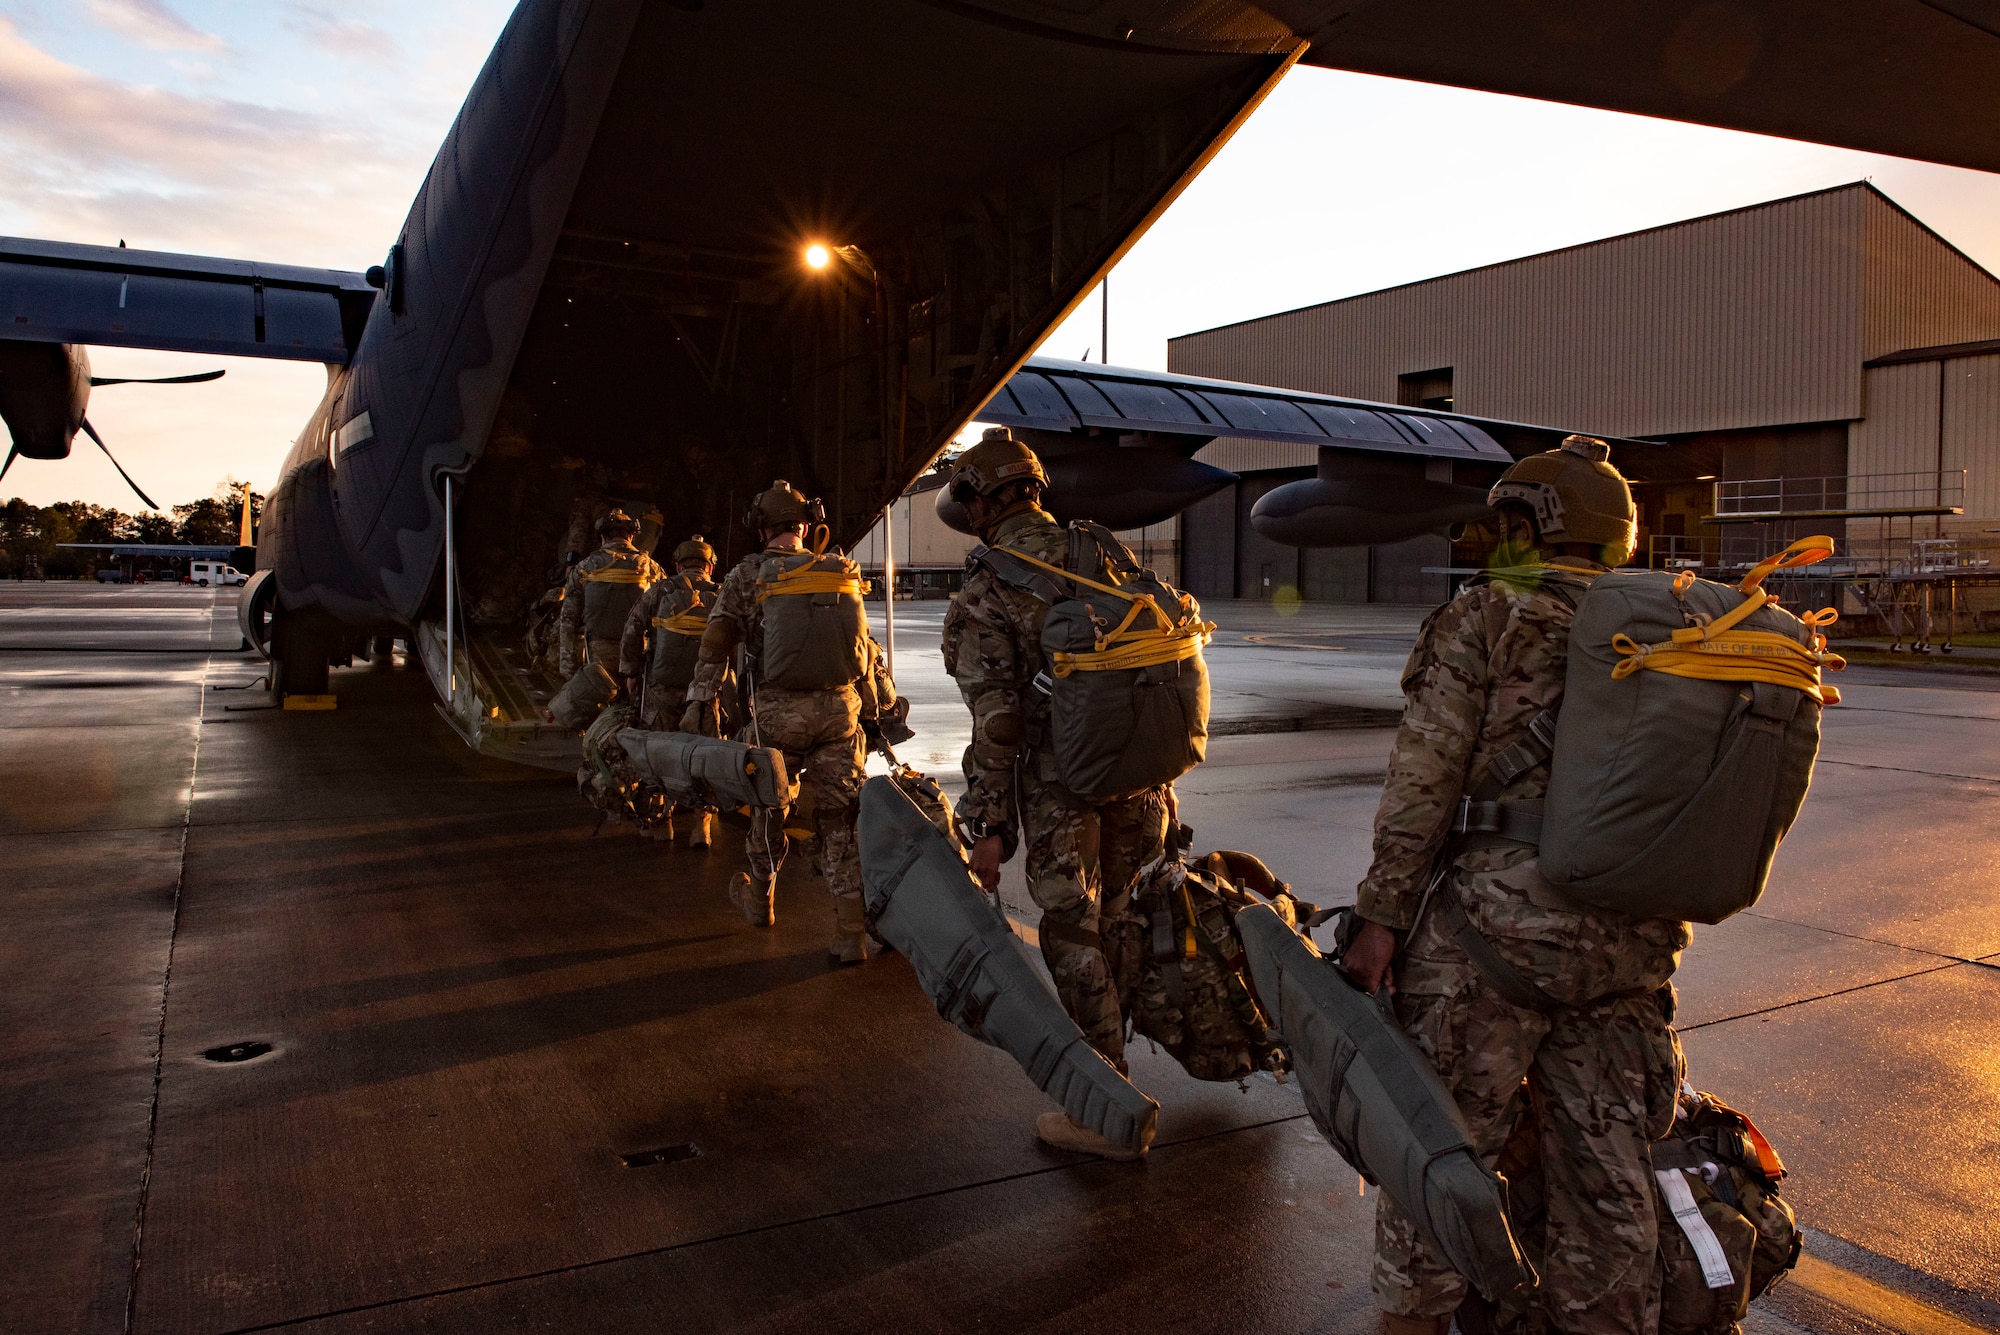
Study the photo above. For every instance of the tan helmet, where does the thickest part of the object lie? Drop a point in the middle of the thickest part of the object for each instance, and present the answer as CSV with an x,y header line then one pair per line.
x,y
782,506
694,549
1576,496
995,461
617,521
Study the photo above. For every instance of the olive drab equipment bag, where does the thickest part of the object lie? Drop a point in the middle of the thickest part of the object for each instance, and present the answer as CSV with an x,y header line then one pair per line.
x,y
1126,686
697,771
607,778
677,636
1378,1101
582,697
1690,721
920,898
815,629
1178,965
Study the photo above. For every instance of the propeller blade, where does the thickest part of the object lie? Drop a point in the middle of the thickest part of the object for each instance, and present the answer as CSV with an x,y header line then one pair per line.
x,y
198,378
91,431
12,455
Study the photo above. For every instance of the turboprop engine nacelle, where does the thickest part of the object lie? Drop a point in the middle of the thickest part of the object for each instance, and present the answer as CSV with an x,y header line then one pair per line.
x,y
1120,487
1359,503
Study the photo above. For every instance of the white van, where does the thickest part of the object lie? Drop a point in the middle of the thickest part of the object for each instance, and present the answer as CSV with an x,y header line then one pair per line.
x,y
206,573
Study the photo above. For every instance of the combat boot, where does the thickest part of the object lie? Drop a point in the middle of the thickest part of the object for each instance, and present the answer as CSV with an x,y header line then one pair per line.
x,y
757,898
704,829
851,943
1059,1130
1392,1324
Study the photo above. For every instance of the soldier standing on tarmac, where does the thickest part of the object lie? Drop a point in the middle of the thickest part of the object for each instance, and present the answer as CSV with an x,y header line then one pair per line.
x,y
818,730
1497,976
661,645
1080,855
600,592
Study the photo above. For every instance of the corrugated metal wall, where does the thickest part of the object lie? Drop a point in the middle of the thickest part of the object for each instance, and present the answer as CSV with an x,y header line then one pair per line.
x,y
1900,432
1920,292
1750,318
1972,430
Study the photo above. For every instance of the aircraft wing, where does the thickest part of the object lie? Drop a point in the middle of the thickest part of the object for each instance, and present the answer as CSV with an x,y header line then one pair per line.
x,y
1913,78
108,296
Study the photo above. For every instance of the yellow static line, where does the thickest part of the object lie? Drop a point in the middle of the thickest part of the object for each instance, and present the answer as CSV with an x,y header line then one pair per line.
x,y
1864,1297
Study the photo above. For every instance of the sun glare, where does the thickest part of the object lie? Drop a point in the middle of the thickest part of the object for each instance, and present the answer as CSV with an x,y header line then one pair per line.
x,y
818,256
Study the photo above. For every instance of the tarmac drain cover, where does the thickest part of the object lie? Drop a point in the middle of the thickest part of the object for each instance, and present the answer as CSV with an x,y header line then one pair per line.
x,y
665,1154
236,1052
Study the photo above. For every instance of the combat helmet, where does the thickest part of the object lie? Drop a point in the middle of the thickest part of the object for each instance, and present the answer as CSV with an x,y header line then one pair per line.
x,y
616,521
995,461
782,506
695,548
1576,496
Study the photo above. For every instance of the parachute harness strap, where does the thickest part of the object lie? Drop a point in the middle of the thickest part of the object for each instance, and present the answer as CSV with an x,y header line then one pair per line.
x,y
691,622
1717,651
615,575
1124,648
808,578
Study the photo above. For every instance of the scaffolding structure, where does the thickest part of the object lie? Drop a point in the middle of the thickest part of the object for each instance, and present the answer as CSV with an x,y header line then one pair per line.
x,y
1893,561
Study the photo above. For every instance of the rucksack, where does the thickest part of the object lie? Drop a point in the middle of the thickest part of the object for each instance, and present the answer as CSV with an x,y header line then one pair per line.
x,y
1123,671
607,779
1724,1235
1690,722
677,638
815,629
1178,965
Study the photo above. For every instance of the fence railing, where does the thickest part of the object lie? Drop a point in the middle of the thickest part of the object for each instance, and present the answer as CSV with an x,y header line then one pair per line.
x,y
1940,492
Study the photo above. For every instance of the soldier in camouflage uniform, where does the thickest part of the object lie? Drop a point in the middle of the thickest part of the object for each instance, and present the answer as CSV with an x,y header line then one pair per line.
x,y
655,655
820,733
600,592
1571,999
1081,856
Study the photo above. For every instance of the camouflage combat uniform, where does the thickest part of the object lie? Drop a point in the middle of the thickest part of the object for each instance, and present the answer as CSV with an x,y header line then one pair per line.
x,y
1603,1065
600,591
1080,855
645,649
820,734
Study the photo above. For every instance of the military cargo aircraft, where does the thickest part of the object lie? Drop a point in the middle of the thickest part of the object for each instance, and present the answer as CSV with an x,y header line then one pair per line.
x,y
672,249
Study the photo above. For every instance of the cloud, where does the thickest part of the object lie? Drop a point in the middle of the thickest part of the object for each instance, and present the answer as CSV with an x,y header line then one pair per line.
x,y
351,38
87,158
151,24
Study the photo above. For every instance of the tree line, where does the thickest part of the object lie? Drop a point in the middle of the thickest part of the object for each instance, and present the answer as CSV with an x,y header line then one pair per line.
x,y
38,532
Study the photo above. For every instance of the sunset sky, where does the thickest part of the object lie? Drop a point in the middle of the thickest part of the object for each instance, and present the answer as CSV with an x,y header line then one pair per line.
x,y
298,130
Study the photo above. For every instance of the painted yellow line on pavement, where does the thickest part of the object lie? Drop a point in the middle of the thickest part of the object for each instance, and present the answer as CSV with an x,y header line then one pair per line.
x,y
1885,1306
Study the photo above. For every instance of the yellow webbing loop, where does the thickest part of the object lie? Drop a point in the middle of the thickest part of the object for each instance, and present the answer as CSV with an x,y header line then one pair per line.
x,y
1124,648
806,580
1719,652
615,575
686,623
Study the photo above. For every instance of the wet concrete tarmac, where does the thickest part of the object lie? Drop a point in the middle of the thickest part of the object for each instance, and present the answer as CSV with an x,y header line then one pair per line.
x,y
478,1009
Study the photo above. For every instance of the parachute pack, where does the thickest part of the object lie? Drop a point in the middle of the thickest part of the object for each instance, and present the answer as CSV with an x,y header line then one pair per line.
x,y
1690,723
1179,968
815,629
1124,676
677,636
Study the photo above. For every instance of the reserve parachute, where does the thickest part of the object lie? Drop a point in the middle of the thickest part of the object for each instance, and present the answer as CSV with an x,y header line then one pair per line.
x,y
922,900
1690,723
1379,1102
1126,685
815,629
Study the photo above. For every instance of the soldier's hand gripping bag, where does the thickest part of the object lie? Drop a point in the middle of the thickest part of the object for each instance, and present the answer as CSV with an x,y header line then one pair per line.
x,y
1668,791
815,629
922,900
580,699
1379,1102
710,771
